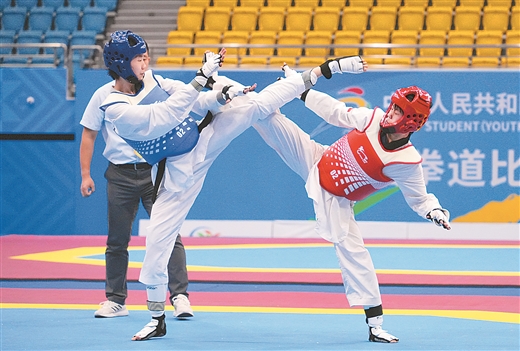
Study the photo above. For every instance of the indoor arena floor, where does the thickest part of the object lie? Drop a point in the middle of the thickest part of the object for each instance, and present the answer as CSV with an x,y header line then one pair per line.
x,y
264,294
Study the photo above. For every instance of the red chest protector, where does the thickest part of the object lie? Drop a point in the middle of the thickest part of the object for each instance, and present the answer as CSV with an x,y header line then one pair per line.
x,y
352,167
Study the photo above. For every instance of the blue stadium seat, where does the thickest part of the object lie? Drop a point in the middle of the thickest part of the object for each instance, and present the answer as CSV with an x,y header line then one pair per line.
x,y
29,37
6,36
5,3
13,18
40,18
54,36
109,4
79,3
82,37
94,18
67,18
26,3
53,3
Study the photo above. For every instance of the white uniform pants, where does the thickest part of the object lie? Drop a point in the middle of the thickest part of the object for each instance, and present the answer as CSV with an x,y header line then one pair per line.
x,y
301,153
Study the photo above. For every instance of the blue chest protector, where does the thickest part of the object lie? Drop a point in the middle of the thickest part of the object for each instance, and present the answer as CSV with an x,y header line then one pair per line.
x,y
180,140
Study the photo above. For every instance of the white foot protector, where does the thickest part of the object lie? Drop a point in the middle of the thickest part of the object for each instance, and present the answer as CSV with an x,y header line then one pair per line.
x,y
377,334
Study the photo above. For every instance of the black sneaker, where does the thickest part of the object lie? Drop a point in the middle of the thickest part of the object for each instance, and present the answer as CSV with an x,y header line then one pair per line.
x,y
154,329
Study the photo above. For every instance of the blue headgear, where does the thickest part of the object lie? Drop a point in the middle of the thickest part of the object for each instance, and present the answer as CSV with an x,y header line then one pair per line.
x,y
120,50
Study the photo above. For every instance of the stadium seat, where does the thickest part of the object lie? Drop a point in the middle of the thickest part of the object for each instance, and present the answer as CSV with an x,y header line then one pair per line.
x,y
189,18
81,4
40,18
28,4
210,38
82,37
346,37
292,37
279,61
179,37
4,4
326,19
29,37
432,37
512,37
383,18
420,3
94,18
225,3
511,62
411,18
315,37
67,18
298,18
456,62
439,18
404,37
53,3
515,17
56,36
448,3
479,3
354,18
427,62
13,18
259,55
271,18
306,3
217,18
110,5
467,18
485,62
375,37
252,3
198,3
489,37
338,4
361,3
279,3
235,37
244,18
169,61
6,36
460,37
495,18
391,3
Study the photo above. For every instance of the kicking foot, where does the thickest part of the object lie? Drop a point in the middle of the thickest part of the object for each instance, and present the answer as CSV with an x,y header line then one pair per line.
x,y
377,334
154,329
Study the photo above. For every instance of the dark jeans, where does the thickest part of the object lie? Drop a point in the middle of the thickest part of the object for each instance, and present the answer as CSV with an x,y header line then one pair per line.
x,y
125,189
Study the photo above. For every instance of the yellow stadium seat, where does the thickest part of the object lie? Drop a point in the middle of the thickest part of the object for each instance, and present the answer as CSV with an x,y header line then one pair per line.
x,y
271,18
198,3
298,18
346,37
411,18
354,18
460,37
190,18
383,18
489,37
315,37
398,61
404,37
326,18
169,61
511,62
259,55
361,3
485,62
420,3
211,38
432,37
235,37
217,18
456,62
512,37
375,37
244,18
439,18
279,61
279,3
478,3
448,3
515,17
293,37
339,4
495,18
311,62
225,3
176,37
467,18
306,3
428,62
252,3
391,3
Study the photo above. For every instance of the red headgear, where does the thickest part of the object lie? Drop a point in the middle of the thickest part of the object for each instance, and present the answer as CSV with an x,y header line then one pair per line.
x,y
415,111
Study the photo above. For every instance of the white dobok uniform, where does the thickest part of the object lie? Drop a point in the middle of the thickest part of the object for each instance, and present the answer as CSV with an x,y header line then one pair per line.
x,y
352,168
185,174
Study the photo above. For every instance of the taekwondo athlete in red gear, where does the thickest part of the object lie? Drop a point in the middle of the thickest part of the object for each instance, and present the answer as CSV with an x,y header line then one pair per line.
x,y
375,154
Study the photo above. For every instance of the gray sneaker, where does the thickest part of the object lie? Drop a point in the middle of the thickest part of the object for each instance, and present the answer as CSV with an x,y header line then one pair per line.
x,y
109,309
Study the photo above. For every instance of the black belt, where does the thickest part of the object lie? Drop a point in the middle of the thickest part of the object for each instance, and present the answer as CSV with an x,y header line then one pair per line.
x,y
134,166
162,163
